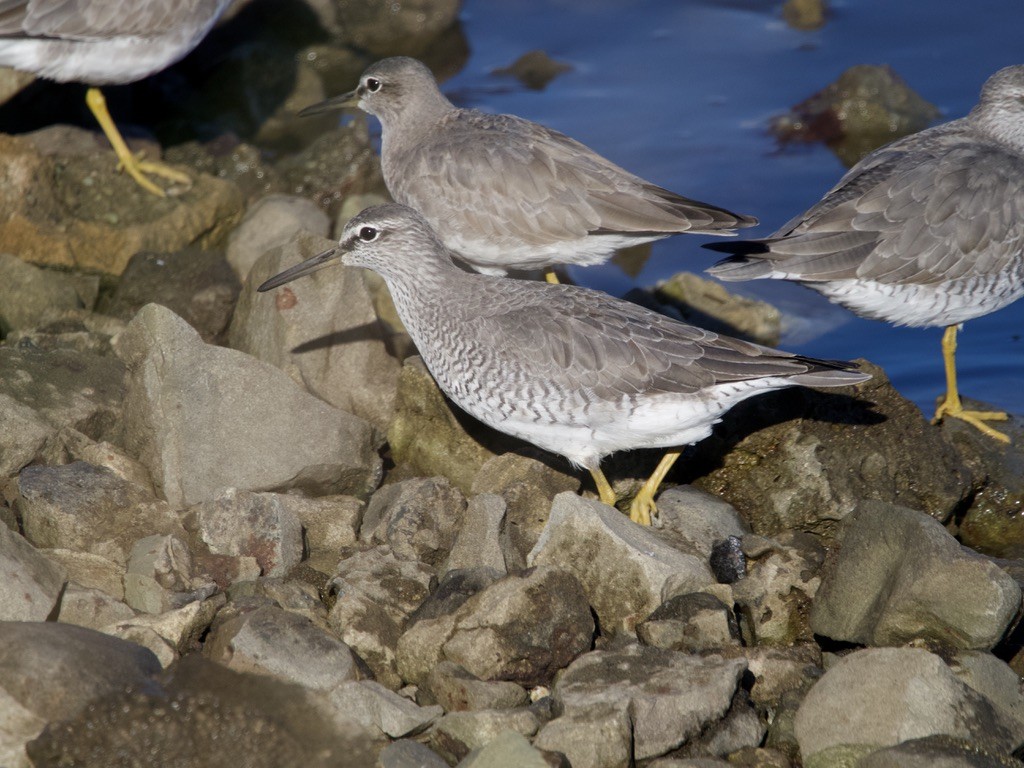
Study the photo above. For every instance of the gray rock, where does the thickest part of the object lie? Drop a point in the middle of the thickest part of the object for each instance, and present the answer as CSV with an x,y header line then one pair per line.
x,y
669,697
329,524
477,541
272,221
70,445
66,388
32,584
937,752
522,628
417,518
275,642
406,753
780,461
879,697
27,293
693,623
379,710
458,733
258,525
322,331
24,433
196,284
457,690
298,597
89,509
775,597
622,566
454,589
598,737
207,715
160,578
369,630
90,571
528,485
177,631
506,749
91,608
777,671
707,303
697,519
397,586
741,728
384,29
995,680
242,424
898,575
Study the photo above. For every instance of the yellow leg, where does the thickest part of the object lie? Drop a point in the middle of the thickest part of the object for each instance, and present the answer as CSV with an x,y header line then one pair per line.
x,y
604,488
129,162
550,276
951,405
643,507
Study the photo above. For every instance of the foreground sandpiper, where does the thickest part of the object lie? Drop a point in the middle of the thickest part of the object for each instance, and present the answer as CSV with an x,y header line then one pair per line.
x,y
505,193
926,231
100,42
571,370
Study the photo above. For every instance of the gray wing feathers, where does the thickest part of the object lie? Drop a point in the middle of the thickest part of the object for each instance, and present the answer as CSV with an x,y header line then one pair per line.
x,y
89,19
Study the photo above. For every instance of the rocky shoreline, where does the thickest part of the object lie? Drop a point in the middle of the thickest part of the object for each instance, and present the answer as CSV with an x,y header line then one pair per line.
x,y
248,529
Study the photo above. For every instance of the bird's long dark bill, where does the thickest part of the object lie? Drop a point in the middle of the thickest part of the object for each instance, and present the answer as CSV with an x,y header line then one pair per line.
x,y
306,267
350,99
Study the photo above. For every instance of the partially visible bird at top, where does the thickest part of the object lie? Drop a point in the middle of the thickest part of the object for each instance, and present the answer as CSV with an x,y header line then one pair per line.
x,y
106,42
571,370
505,193
926,231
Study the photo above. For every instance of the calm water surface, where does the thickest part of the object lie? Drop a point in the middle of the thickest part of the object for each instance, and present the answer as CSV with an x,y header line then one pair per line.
x,y
681,93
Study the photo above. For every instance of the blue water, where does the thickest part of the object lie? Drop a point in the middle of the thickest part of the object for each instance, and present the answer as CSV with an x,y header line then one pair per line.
x,y
681,93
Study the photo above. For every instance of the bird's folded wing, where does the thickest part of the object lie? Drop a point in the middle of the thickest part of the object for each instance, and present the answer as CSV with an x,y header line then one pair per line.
x,y
90,19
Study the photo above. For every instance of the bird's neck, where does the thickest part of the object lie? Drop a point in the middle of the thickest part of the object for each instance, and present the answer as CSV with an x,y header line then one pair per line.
x,y
423,299
1000,124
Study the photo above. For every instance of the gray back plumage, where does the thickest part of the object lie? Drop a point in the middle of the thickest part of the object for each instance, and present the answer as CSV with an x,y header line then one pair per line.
x,y
98,19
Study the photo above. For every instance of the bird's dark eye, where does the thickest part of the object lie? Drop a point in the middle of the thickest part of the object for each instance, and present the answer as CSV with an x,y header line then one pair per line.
x,y
368,234
372,84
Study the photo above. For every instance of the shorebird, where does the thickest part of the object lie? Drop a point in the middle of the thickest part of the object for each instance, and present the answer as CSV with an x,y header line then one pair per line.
x,y
102,42
927,231
505,193
571,370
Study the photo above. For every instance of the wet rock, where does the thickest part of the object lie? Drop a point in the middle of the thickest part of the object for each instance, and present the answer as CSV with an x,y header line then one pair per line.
x,y
32,583
386,29
406,753
458,733
898,575
160,576
457,690
197,285
805,14
598,737
509,748
329,524
24,433
937,752
242,424
275,642
669,697
321,330
708,304
534,69
270,222
879,697
802,460
528,485
418,519
436,438
622,566
89,509
782,579
206,715
522,628
379,710
91,608
866,107
993,524
66,388
693,623
258,525
27,293
73,209
477,541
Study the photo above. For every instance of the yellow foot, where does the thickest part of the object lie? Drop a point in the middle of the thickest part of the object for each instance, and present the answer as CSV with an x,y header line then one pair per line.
x,y
550,276
976,419
643,509
137,168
